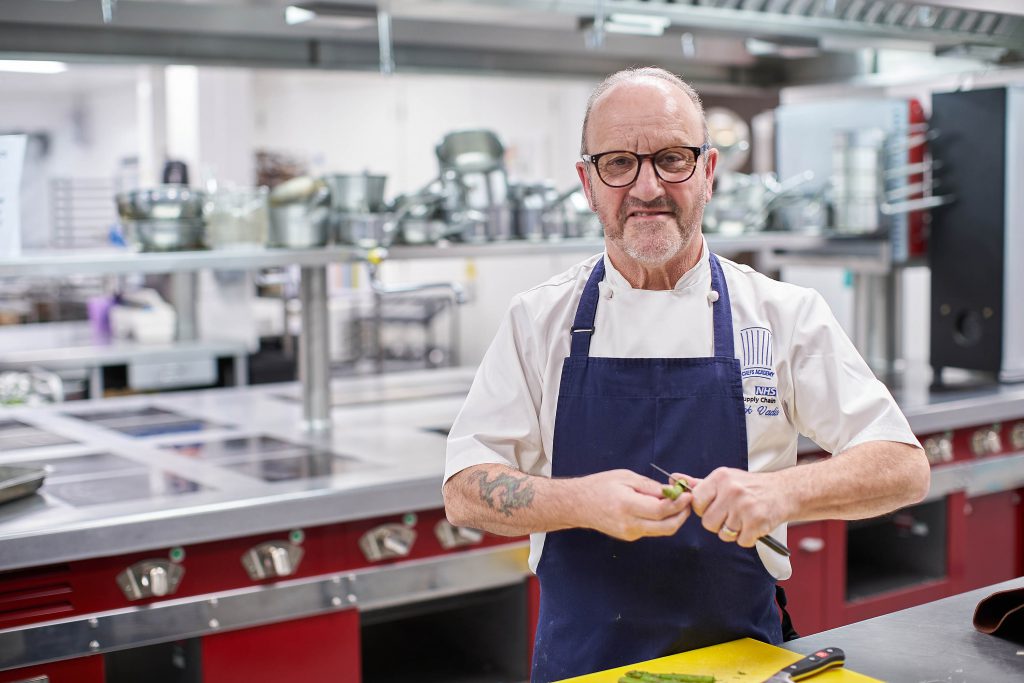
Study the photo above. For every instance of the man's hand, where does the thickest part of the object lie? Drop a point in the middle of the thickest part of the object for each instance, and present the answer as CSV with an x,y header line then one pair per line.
x,y
737,505
628,506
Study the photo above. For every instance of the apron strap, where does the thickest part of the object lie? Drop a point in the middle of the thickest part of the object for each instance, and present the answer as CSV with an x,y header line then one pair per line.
x,y
721,312
583,326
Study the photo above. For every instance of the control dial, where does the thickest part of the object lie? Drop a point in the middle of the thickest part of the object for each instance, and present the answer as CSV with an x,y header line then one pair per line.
x,y
150,579
939,448
1017,436
451,536
986,441
387,541
271,560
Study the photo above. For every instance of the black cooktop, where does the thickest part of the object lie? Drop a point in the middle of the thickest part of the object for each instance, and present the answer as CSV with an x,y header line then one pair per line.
x,y
146,421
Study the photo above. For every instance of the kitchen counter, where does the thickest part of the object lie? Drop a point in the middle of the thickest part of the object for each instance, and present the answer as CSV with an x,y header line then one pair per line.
x,y
931,642
165,484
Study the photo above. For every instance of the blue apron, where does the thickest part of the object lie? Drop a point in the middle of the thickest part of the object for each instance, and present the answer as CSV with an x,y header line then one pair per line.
x,y
604,602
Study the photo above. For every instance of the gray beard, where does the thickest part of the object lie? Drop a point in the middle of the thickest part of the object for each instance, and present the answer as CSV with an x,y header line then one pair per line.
x,y
667,244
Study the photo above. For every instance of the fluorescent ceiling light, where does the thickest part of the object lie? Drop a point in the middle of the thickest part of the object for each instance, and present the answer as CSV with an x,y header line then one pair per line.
x,y
32,67
758,47
297,15
636,24
338,15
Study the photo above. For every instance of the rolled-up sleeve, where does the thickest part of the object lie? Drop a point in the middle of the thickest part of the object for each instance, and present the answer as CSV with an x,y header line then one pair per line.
x,y
837,400
499,421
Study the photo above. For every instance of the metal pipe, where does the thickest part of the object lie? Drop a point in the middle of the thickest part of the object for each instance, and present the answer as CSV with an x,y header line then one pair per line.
x,y
184,293
314,350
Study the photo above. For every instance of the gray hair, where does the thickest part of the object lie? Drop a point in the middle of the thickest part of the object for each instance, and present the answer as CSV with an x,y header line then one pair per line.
x,y
636,74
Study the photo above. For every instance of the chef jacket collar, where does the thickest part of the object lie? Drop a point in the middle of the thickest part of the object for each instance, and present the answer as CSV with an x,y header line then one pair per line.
x,y
699,275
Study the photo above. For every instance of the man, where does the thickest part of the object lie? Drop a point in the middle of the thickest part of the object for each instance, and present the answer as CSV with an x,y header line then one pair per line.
x,y
659,352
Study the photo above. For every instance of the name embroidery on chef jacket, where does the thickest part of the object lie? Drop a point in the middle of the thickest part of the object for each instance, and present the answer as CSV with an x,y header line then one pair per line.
x,y
756,362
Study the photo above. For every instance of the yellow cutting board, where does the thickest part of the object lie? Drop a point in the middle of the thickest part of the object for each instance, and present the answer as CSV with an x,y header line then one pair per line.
x,y
741,661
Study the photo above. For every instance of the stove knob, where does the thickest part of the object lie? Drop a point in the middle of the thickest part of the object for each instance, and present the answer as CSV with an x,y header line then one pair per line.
x,y
939,448
986,441
387,541
156,579
451,536
1017,436
271,560
150,579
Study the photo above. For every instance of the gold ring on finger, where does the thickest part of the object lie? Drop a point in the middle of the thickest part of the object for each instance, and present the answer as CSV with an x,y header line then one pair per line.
x,y
729,533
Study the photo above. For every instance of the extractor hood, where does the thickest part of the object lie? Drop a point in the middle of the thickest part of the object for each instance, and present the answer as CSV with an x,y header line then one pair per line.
x,y
729,43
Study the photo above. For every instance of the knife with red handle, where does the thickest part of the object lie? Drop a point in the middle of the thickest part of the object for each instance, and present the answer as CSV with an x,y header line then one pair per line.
x,y
828,658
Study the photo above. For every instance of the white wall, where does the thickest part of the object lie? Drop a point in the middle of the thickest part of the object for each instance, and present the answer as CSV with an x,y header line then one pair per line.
x,y
351,122
90,130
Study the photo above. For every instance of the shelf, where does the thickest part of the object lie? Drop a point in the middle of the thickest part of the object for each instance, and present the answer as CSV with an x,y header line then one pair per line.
x,y
112,262
719,244
109,261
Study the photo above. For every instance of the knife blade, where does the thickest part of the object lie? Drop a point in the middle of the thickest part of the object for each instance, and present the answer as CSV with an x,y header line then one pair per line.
x,y
769,541
828,658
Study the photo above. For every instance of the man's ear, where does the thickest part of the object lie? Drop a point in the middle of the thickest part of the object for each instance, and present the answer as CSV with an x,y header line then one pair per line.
x,y
581,171
710,162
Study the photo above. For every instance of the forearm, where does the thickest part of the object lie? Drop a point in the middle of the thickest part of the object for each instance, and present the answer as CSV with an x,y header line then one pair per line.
x,y
505,501
868,480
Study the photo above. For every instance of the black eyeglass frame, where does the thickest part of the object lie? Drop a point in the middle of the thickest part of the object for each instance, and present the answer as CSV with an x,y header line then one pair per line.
x,y
697,152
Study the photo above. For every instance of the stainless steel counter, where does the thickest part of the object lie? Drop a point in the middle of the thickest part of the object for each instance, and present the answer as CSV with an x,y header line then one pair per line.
x,y
931,642
182,468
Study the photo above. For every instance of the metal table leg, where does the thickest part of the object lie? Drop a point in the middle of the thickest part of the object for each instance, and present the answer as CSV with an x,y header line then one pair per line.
x,y
314,350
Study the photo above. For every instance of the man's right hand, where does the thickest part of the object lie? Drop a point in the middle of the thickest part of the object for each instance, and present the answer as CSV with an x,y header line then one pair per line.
x,y
628,506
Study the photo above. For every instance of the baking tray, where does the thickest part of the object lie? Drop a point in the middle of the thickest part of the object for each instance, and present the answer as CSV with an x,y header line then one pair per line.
x,y
18,482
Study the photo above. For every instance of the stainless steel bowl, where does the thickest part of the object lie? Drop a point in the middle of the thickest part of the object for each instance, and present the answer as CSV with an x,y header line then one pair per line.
x,y
356,193
471,151
161,235
165,203
299,226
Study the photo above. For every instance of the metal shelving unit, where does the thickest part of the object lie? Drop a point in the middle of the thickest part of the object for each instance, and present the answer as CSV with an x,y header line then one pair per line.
x,y
314,355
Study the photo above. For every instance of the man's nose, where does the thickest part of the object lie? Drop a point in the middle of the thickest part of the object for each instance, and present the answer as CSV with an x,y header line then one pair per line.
x,y
647,186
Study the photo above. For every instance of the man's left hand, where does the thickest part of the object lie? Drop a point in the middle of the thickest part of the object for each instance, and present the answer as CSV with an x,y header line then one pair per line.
x,y
737,505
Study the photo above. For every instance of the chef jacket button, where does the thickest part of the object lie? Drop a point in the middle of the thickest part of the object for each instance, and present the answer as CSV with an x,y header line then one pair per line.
x,y
609,293
712,296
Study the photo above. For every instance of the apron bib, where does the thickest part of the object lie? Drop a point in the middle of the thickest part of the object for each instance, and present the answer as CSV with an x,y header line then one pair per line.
x,y
605,602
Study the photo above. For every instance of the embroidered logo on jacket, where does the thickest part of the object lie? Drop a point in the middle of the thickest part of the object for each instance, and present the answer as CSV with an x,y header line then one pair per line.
x,y
756,356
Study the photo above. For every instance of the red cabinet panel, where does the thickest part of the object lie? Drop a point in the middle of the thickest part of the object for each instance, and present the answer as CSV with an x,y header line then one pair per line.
x,y
992,547
805,591
322,648
82,670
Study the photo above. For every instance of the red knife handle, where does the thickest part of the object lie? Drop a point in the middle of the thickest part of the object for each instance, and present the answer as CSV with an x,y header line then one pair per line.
x,y
815,663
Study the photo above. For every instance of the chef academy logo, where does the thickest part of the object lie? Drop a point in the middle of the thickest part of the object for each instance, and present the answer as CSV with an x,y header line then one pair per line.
x,y
756,360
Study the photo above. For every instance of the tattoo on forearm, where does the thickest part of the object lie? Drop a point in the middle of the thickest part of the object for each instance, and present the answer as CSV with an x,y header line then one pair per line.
x,y
515,492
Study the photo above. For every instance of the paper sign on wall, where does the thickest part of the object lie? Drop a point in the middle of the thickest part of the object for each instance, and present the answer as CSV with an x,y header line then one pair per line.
x,y
12,158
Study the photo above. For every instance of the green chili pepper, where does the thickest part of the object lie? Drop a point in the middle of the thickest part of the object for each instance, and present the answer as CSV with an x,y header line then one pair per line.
x,y
672,492
647,677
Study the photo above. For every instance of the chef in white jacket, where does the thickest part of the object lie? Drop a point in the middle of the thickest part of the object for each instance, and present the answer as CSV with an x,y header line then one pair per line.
x,y
658,351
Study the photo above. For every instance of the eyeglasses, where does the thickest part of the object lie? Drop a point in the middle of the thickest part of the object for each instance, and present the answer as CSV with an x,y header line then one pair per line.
x,y
671,165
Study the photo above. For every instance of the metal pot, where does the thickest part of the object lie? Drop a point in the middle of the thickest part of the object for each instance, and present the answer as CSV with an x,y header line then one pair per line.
x,y
365,230
166,202
471,151
166,235
356,193
299,226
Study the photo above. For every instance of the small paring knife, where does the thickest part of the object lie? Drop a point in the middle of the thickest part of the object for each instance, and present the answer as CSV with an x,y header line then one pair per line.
x,y
829,658
769,541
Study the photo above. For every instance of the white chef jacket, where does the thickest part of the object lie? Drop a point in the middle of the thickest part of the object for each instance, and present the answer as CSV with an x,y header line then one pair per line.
x,y
801,373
